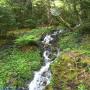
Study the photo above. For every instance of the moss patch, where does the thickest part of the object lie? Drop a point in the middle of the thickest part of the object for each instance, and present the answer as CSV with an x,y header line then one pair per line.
x,y
70,70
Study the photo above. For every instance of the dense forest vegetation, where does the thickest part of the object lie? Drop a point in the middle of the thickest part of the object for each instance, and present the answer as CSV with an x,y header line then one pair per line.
x,y
23,24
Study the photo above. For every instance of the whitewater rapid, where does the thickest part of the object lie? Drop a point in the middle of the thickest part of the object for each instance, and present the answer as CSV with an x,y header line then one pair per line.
x,y
43,76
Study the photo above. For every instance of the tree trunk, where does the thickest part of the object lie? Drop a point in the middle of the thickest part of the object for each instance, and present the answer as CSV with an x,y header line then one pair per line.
x,y
66,23
48,11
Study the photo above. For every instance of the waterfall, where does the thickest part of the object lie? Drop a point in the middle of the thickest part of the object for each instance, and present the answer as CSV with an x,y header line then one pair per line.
x,y
43,76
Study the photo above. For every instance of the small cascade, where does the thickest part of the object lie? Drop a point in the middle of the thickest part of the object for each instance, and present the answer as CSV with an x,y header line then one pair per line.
x,y
43,76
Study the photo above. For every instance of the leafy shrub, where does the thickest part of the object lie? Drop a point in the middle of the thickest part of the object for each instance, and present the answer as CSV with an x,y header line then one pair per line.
x,y
32,37
16,67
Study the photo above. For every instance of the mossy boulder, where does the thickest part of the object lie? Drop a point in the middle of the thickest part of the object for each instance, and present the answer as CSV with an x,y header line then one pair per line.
x,y
70,71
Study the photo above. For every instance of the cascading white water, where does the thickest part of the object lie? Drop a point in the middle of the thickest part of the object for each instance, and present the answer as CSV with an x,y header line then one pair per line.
x,y
43,76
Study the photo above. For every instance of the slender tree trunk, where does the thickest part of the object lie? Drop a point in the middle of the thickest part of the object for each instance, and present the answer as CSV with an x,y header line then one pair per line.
x,y
76,11
48,11
28,6
66,23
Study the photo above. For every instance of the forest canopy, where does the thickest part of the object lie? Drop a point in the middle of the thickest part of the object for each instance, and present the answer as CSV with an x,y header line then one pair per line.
x,y
34,13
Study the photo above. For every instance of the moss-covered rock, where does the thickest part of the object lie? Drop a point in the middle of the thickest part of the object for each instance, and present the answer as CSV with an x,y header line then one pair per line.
x,y
70,70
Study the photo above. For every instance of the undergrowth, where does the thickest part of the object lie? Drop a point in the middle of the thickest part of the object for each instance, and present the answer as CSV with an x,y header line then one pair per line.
x,y
17,67
32,36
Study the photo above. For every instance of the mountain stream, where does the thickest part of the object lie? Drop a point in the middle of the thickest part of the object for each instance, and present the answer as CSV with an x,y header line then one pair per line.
x,y
50,52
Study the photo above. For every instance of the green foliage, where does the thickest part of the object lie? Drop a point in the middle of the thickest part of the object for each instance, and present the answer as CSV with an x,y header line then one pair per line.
x,y
30,14
30,23
69,38
74,59
81,87
32,37
84,27
75,41
6,19
16,67
67,72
